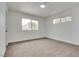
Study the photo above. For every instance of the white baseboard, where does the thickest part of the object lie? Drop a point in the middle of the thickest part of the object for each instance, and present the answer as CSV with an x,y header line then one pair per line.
x,y
2,55
25,39
69,42
74,43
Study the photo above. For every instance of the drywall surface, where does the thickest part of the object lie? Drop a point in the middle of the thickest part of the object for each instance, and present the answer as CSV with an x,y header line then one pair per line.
x,y
2,28
67,31
14,29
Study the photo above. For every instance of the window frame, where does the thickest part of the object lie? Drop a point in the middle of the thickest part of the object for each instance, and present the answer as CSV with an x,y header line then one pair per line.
x,y
61,18
31,24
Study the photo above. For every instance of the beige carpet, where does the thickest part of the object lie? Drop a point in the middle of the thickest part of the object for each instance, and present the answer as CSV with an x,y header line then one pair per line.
x,y
42,48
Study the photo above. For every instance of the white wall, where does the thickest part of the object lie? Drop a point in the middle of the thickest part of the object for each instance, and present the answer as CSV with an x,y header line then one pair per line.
x,y
2,28
68,31
15,33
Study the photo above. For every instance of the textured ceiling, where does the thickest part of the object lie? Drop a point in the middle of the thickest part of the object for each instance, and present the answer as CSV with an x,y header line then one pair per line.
x,y
34,7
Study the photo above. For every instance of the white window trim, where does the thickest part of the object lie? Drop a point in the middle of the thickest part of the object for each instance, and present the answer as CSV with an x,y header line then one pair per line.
x,y
31,25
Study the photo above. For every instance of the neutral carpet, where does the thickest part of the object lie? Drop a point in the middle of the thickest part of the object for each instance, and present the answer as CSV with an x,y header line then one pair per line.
x,y
42,48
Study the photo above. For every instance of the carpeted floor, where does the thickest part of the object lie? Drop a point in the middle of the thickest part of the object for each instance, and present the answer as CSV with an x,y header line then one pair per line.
x,y
42,48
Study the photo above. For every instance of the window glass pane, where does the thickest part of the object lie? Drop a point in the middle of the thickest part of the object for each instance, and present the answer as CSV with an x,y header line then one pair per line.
x,y
63,19
55,21
68,18
34,25
58,20
26,24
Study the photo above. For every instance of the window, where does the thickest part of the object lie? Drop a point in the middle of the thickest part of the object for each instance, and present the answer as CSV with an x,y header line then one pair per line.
x,y
28,24
68,18
55,21
62,19
34,25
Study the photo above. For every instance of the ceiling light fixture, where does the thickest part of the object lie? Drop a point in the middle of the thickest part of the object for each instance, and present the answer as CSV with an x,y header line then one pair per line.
x,y
43,5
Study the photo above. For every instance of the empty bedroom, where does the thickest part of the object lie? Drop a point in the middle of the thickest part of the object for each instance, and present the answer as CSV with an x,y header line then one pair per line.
x,y
39,29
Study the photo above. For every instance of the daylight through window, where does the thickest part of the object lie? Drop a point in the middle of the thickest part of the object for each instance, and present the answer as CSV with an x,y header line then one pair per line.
x,y
62,19
28,24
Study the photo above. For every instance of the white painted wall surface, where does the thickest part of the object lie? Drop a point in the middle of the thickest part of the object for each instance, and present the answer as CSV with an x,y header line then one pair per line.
x,y
2,28
15,33
68,31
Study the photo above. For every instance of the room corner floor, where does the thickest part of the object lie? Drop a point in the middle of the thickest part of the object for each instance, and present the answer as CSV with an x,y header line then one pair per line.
x,y
42,48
